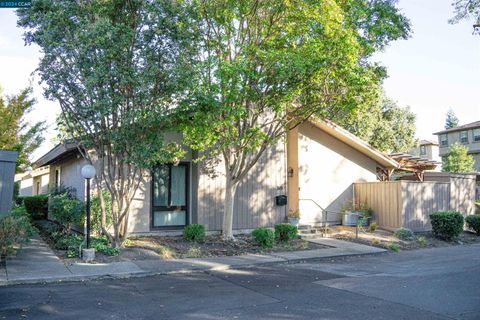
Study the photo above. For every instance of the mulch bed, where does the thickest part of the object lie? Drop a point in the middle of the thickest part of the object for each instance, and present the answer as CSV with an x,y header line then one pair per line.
x,y
214,246
383,239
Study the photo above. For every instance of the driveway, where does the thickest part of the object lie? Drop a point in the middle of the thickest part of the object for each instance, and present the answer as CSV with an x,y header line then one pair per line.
x,y
438,283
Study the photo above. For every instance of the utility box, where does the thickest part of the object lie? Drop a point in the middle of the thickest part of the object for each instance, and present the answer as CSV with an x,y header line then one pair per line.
x,y
7,174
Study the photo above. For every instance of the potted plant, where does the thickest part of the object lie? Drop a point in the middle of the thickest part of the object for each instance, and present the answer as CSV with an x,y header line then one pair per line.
x,y
293,217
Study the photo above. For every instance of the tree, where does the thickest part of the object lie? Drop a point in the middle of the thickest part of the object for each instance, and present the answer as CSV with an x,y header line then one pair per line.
x,y
451,120
15,132
116,68
384,125
464,9
457,160
264,67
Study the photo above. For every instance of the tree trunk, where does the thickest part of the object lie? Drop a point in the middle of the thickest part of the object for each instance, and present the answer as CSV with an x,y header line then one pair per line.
x,y
230,188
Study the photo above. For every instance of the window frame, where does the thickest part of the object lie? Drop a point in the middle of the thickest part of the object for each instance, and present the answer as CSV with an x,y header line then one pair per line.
x,y
460,136
159,208
442,144
423,150
476,138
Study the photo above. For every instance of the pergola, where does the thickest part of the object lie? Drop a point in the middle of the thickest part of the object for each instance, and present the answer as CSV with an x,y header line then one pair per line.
x,y
409,163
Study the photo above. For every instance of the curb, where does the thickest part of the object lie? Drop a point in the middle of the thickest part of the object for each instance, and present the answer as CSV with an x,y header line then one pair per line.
x,y
73,278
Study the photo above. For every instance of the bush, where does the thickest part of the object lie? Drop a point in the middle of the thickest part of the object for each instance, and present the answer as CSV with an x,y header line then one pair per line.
x,y
404,234
66,211
264,237
285,232
14,232
36,206
473,222
194,232
394,247
372,227
447,225
97,212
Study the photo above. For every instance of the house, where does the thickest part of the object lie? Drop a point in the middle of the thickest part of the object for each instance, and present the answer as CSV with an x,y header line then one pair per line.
x,y
468,135
7,173
316,168
33,182
428,150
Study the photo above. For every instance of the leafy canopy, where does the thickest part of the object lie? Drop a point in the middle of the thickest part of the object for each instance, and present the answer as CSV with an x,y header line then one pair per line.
x,y
16,133
384,125
457,160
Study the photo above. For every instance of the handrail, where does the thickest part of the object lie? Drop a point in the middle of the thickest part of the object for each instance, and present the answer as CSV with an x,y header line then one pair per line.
x,y
323,209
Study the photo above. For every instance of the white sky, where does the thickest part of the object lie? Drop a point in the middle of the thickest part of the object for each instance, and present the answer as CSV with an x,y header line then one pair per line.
x,y
437,68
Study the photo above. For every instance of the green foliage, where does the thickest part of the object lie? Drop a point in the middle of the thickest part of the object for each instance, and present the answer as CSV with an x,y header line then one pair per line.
x,y
422,241
96,212
264,237
383,124
14,232
451,120
36,206
404,234
473,222
373,226
394,247
457,160
194,232
66,211
285,232
133,59
62,189
447,225
465,9
15,132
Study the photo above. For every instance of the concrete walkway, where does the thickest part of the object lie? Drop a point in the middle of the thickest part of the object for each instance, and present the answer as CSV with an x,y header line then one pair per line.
x,y
36,263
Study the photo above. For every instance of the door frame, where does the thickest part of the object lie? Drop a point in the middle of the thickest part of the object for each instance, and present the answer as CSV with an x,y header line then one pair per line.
x,y
186,164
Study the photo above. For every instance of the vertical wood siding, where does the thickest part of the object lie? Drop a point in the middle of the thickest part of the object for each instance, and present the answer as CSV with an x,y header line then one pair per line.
x,y
7,173
255,197
409,203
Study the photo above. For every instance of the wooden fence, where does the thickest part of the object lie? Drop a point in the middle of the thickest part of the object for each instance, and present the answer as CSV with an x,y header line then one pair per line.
x,y
7,173
409,203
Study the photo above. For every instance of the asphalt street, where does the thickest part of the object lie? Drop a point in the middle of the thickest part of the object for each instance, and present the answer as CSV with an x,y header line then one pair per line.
x,y
441,283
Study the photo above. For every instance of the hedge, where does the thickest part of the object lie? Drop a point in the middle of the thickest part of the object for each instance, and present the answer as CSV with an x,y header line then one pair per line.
x,y
36,206
447,225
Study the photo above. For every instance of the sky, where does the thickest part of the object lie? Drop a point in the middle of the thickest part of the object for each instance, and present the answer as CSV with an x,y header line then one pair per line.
x,y
436,69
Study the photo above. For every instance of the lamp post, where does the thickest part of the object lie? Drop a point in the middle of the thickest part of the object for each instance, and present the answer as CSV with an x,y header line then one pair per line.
x,y
88,172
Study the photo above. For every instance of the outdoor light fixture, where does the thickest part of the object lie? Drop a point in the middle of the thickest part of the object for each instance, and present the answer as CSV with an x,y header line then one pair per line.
x,y
290,172
88,172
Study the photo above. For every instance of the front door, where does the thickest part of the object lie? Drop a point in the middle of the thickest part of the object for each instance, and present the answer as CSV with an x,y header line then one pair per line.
x,y
169,196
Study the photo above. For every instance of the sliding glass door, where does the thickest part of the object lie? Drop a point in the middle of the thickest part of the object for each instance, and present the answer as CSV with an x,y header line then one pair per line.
x,y
169,196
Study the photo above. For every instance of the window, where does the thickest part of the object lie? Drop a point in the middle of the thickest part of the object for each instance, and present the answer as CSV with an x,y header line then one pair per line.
x,y
57,177
423,150
38,187
443,140
476,135
169,196
464,136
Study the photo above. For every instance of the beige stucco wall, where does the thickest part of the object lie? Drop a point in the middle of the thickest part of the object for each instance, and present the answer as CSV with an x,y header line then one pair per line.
x,y
26,187
327,170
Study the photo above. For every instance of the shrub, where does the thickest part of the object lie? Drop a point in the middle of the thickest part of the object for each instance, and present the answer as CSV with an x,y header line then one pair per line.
x,y
194,232
14,232
394,247
102,245
36,206
19,212
285,232
404,234
473,222
66,211
97,212
422,241
264,237
372,227
447,225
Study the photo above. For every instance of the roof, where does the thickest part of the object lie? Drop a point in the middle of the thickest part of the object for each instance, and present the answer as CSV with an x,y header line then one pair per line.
x,y
355,142
413,163
428,142
59,152
472,125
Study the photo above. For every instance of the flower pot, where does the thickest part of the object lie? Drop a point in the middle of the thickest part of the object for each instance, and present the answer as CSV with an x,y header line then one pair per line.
x,y
293,221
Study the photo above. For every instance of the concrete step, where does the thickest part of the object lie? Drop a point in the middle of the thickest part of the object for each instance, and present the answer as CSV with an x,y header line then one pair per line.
x,y
310,236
